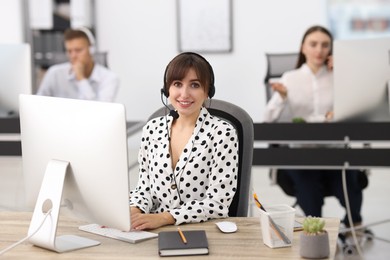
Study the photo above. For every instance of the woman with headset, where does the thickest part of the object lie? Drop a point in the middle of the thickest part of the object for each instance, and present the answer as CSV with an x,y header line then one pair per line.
x,y
81,77
188,160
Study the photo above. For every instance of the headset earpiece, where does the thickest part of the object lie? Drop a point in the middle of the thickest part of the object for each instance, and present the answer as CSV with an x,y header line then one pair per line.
x,y
91,39
164,91
211,93
92,50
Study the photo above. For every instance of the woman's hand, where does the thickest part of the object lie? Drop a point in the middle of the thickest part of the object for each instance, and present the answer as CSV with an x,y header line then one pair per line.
x,y
141,221
329,62
280,88
329,116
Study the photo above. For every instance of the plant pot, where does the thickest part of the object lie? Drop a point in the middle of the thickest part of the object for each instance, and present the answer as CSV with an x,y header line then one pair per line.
x,y
314,246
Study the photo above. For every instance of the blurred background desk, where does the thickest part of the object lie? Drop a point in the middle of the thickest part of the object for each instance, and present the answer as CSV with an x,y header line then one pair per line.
x,y
10,141
343,134
279,133
10,136
244,244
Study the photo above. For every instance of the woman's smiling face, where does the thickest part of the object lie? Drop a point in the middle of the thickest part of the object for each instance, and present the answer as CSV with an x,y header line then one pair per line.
x,y
187,95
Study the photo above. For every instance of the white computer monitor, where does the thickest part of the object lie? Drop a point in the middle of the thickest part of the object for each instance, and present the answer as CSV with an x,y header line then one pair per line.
x,y
15,76
361,75
91,137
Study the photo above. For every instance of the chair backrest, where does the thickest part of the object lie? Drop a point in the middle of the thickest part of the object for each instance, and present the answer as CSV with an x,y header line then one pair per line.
x,y
277,64
243,123
60,57
101,58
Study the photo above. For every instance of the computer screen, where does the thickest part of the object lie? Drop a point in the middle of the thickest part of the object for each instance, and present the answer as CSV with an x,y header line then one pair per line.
x,y
91,136
361,75
15,76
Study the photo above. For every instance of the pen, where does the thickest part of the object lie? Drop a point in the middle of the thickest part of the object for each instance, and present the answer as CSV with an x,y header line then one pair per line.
x,y
275,227
182,236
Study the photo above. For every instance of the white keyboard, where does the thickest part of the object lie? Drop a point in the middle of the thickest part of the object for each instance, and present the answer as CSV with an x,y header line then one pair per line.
x,y
131,236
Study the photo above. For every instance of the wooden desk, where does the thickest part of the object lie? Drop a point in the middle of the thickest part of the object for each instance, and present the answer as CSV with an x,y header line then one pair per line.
x,y
246,243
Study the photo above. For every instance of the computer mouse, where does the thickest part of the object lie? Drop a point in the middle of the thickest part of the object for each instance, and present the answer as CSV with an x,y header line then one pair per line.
x,y
227,226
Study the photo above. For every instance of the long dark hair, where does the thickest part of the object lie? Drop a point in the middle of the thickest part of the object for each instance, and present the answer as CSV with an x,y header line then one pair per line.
x,y
315,28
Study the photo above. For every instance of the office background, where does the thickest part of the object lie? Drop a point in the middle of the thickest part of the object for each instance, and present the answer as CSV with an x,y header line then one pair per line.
x,y
148,40
141,37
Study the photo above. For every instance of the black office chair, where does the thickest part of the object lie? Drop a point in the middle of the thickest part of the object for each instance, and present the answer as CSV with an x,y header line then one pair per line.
x,y
277,64
243,123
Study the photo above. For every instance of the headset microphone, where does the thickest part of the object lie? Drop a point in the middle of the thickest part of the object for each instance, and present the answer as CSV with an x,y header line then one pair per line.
x,y
173,113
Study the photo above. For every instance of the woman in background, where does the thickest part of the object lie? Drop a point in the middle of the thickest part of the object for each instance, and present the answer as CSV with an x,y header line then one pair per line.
x,y
306,94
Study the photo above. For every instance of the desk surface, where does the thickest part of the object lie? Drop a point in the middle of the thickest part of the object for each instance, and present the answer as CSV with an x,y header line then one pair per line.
x,y
244,244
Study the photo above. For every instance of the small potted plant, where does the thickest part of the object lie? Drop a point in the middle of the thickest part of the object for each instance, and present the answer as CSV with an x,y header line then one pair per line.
x,y
314,240
298,120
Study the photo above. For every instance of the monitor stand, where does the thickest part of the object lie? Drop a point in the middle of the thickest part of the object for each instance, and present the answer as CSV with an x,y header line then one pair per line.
x,y
43,231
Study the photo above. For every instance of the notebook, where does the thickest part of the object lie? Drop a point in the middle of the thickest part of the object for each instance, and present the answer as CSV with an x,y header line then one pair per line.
x,y
170,243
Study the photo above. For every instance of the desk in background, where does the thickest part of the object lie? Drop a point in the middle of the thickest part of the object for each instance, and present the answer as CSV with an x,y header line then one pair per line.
x,y
10,136
325,133
10,140
244,244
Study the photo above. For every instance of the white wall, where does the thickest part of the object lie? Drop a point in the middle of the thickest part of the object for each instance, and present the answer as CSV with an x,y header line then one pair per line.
x,y
11,21
141,37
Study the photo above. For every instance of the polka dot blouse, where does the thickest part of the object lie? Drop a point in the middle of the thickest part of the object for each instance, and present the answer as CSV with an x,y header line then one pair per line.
x,y
202,185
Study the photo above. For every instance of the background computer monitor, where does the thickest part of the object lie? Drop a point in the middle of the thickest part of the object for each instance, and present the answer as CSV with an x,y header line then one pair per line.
x,y
15,76
361,74
91,136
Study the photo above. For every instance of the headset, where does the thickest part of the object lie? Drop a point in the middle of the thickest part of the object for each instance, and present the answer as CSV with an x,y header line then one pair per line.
x,y
211,93
91,39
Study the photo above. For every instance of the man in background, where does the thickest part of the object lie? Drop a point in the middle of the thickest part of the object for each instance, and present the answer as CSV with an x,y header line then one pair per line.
x,y
81,77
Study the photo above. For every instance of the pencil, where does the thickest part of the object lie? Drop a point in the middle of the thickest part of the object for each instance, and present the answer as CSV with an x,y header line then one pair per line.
x,y
258,202
182,236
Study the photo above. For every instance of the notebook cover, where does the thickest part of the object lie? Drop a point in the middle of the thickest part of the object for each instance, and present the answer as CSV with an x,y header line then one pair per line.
x,y
170,243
